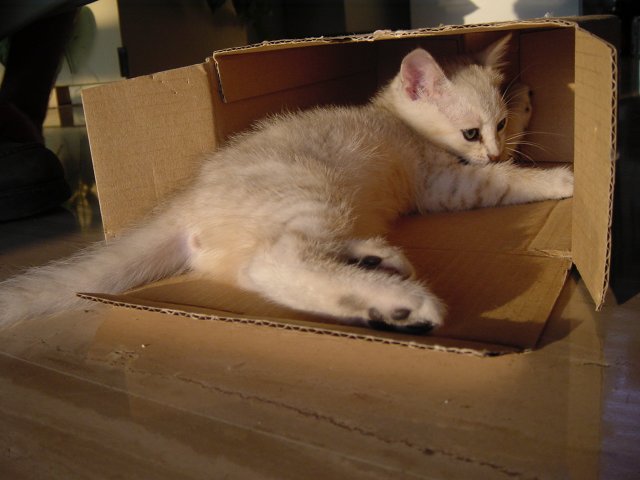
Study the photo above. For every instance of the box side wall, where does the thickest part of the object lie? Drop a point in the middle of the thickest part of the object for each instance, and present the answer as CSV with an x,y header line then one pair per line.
x,y
257,72
595,145
547,66
147,136
260,83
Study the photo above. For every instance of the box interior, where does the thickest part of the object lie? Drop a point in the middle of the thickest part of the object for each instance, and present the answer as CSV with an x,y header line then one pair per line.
x,y
500,283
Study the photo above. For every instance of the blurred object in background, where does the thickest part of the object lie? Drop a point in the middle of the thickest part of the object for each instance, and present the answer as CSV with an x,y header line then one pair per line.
x,y
628,11
313,18
163,34
625,256
431,13
625,262
160,35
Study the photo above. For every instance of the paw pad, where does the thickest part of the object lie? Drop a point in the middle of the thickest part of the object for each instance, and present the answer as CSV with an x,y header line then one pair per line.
x,y
414,329
377,321
370,262
400,314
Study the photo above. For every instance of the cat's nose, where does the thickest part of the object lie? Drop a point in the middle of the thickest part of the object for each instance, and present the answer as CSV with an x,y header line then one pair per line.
x,y
493,158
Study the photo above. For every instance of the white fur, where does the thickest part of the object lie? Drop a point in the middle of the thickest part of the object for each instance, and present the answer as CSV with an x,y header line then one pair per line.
x,y
296,209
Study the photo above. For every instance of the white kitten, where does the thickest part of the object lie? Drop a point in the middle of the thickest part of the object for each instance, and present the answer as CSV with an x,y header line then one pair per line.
x,y
296,209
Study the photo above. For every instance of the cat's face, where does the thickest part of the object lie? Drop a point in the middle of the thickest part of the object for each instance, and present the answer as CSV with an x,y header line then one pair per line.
x,y
474,115
462,112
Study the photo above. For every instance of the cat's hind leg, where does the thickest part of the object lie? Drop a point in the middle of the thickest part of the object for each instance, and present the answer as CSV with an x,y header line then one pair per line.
x,y
311,275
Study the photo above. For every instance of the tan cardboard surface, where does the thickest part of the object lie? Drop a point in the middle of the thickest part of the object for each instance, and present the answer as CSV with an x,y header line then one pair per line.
x,y
554,237
500,230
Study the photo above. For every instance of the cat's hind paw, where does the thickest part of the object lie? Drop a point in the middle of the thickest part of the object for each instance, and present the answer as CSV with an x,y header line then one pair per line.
x,y
378,321
377,254
402,306
422,318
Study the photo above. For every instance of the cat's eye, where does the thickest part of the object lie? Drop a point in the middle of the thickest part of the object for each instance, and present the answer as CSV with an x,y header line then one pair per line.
x,y
471,134
501,124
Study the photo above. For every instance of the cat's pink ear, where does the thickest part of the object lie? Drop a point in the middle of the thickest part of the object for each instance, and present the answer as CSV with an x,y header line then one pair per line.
x,y
421,75
493,55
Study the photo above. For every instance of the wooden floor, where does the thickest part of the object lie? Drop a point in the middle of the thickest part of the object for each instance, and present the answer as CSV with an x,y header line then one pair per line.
x,y
112,393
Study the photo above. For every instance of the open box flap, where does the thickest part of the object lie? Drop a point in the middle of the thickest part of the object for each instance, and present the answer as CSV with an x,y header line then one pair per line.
x,y
147,137
594,166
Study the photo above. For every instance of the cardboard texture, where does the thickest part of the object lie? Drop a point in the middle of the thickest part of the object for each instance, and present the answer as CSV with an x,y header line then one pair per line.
x,y
148,134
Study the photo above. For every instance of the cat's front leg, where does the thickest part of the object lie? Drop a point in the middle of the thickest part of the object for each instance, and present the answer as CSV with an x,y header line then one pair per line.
x,y
463,187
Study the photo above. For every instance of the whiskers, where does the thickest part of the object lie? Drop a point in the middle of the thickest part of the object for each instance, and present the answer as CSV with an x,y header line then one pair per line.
x,y
510,95
520,142
515,154
513,144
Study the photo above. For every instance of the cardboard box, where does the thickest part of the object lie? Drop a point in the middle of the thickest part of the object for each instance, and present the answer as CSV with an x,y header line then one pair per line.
x,y
148,134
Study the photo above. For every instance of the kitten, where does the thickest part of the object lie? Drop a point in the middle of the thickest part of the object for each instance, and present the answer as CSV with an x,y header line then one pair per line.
x,y
296,209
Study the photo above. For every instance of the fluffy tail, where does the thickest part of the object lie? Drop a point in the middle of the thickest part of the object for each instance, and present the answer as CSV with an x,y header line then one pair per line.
x,y
145,254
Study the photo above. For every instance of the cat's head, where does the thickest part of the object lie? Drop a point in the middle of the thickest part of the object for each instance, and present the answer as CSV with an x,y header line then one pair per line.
x,y
462,110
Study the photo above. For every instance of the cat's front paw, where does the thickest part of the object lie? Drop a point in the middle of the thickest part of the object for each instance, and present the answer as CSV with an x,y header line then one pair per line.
x,y
561,183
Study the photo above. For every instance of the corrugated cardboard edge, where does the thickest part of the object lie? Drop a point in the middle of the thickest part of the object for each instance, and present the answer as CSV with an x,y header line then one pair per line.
x,y
596,277
342,331
396,34
614,158
379,35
